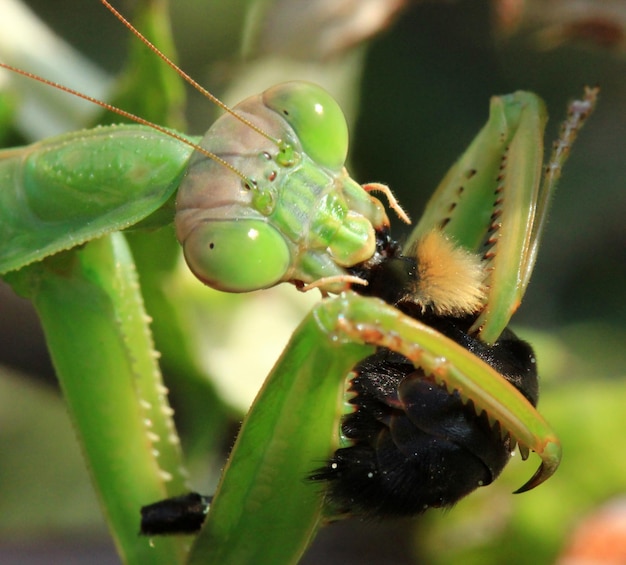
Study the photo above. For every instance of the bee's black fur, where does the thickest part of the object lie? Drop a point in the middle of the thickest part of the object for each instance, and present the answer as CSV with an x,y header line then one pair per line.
x,y
414,445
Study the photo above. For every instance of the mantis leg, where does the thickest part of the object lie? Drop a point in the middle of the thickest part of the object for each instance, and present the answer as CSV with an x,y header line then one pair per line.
x,y
265,511
99,338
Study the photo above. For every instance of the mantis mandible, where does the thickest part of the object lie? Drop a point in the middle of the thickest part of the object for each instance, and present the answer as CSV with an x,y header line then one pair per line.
x,y
287,166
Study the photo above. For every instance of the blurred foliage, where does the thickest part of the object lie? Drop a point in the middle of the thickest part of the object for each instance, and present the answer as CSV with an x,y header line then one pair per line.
x,y
420,91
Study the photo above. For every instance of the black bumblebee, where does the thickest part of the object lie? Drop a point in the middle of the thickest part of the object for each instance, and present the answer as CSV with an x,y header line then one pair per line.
x,y
411,444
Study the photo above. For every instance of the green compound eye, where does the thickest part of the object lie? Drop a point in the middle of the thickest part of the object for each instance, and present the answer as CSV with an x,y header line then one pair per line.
x,y
237,255
316,119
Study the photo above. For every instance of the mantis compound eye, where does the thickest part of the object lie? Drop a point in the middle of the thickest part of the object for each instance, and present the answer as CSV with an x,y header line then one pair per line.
x,y
237,255
316,119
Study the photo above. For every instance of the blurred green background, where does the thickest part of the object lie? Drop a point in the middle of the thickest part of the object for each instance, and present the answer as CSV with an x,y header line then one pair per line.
x,y
416,93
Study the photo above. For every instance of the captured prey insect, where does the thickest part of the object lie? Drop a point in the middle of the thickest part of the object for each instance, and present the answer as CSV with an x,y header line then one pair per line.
x,y
410,444
276,177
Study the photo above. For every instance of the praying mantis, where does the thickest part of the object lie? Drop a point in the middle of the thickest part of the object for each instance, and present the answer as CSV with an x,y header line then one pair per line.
x,y
277,446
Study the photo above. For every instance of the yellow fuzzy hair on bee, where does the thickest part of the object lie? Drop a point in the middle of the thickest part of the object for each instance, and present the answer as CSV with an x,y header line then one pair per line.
x,y
450,279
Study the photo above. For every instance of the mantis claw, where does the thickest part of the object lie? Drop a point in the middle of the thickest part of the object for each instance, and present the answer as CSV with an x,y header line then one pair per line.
x,y
504,406
550,460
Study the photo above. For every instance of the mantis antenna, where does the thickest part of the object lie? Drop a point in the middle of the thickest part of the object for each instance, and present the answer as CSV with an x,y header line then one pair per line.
x,y
182,74
130,116
250,183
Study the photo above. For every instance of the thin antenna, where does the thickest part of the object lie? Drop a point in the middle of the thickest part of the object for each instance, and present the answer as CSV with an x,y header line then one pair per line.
x,y
133,117
185,76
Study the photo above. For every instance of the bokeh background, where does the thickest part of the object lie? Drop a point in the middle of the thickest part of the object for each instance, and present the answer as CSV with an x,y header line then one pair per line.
x,y
415,80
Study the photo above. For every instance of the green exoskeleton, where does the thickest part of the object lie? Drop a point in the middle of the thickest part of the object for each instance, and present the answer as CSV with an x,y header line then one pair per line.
x,y
263,198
